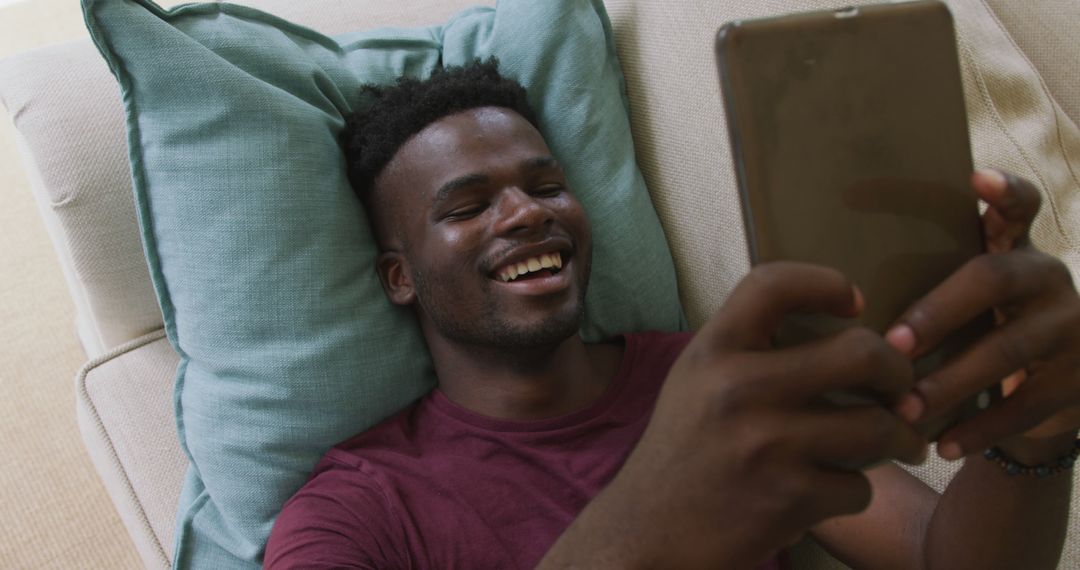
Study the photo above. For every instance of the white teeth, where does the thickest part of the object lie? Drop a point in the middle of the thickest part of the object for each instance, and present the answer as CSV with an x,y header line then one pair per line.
x,y
545,261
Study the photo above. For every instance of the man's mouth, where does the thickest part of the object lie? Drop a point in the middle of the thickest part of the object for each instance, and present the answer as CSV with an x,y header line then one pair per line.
x,y
536,266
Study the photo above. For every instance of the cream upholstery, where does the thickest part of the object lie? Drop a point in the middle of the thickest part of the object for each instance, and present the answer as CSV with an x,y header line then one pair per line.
x,y
125,415
1047,38
79,171
1020,62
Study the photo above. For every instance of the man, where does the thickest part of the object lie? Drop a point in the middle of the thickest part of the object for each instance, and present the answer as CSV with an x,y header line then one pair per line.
x,y
658,450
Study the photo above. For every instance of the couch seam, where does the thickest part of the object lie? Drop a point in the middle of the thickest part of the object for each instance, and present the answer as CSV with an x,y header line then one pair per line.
x,y
102,431
1009,36
984,91
1046,92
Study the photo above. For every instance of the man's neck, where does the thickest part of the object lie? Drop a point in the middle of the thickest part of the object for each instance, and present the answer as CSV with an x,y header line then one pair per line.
x,y
525,384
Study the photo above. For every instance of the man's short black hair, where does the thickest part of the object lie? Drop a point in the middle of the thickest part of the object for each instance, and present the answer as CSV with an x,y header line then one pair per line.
x,y
397,112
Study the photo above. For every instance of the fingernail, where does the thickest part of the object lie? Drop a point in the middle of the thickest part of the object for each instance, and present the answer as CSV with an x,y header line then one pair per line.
x,y
902,338
995,179
910,407
950,451
860,301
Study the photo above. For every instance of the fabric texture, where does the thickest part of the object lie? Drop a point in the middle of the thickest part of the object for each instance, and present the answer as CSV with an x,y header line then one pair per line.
x,y
120,401
438,486
259,251
1046,37
61,515
79,170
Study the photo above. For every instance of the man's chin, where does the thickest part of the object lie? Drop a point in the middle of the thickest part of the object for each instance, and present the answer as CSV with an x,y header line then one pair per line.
x,y
546,330
507,334
548,334
507,324
549,330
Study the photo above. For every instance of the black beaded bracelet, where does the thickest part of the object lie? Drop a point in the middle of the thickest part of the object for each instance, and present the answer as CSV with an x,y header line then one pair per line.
x,y
1014,467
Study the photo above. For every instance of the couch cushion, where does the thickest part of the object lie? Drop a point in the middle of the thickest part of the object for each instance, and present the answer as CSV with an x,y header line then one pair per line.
x,y
1016,125
259,251
124,404
1046,32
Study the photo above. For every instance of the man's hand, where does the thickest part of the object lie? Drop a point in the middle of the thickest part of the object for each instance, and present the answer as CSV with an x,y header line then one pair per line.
x,y
741,457
1036,346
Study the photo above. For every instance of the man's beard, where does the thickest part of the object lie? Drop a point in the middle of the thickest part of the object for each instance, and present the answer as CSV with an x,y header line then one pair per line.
x,y
490,329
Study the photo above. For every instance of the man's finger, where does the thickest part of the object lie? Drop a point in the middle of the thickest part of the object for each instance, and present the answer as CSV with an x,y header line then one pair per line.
x,y
986,282
752,313
857,437
997,355
1013,204
857,361
1035,400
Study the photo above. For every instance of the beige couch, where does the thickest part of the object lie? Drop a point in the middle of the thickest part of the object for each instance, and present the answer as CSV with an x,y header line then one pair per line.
x,y
1019,58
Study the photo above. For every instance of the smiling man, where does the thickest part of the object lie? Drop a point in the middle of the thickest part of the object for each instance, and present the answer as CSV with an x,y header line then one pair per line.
x,y
666,450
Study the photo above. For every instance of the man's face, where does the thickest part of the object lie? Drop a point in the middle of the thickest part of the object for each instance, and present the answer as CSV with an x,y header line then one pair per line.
x,y
480,230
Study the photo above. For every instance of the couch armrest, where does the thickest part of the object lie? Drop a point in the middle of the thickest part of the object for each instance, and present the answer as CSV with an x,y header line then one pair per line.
x,y
70,126
125,410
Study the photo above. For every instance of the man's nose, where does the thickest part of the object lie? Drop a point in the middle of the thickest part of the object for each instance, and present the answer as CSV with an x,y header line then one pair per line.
x,y
520,213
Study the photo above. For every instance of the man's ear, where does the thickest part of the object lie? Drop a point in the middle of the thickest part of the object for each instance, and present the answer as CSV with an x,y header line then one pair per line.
x,y
394,275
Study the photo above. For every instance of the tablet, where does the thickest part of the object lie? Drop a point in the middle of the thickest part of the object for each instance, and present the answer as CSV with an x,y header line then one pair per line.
x,y
851,148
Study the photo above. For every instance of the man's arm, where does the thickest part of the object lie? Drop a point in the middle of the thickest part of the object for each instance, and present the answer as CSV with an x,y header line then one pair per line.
x,y
1004,521
986,519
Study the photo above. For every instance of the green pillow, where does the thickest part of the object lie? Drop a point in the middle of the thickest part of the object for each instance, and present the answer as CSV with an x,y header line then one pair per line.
x,y
261,255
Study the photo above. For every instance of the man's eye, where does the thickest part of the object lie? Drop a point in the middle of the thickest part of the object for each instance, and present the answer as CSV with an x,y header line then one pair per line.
x,y
548,190
465,212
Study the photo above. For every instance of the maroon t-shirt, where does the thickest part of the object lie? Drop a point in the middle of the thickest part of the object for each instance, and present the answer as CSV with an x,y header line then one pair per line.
x,y
437,486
